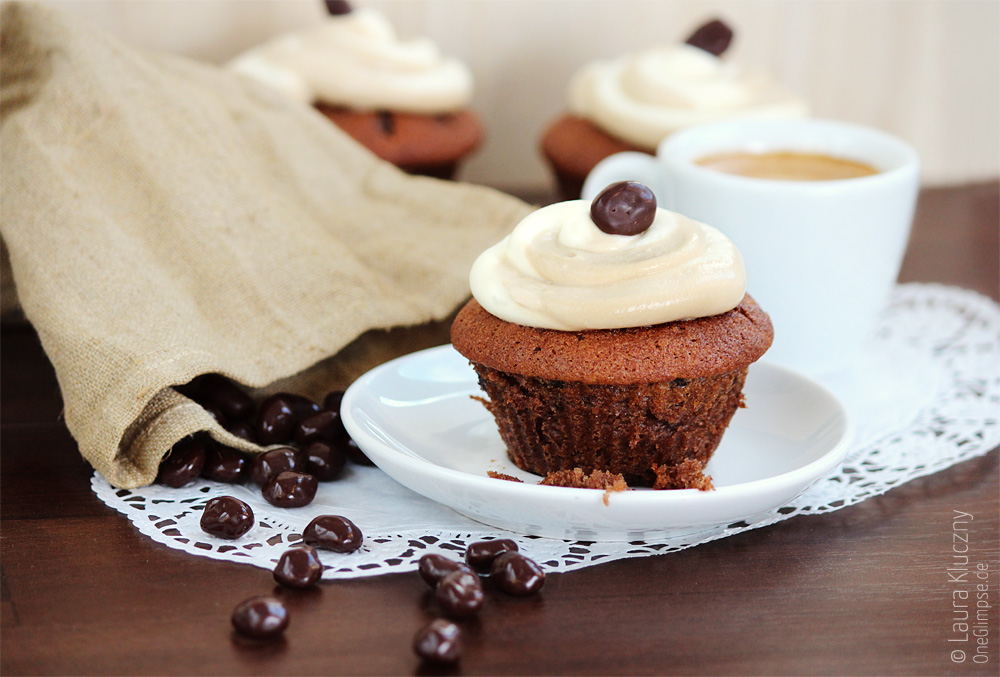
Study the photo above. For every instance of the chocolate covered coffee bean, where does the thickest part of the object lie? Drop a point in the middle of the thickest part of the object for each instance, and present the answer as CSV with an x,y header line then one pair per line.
x,y
298,567
260,617
279,415
290,489
713,37
225,464
324,461
433,567
516,574
460,594
243,430
440,641
337,7
278,460
323,426
333,532
624,208
216,413
184,462
228,397
226,517
480,555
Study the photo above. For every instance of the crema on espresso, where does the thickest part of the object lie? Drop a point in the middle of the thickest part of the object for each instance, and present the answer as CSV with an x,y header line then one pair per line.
x,y
787,166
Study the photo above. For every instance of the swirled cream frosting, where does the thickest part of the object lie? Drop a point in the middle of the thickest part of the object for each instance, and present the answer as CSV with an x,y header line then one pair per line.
x,y
643,97
356,60
557,270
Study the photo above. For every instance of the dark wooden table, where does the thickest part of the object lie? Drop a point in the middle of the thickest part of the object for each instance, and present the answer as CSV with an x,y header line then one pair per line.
x,y
863,590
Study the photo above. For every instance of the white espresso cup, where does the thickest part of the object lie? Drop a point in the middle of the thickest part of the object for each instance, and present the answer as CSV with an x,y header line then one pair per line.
x,y
821,256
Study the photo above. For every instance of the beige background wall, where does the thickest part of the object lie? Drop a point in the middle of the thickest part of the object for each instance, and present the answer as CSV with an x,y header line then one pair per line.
x,y
927,70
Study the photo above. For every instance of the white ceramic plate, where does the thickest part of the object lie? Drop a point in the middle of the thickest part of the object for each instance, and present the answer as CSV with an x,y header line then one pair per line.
x,y
416,419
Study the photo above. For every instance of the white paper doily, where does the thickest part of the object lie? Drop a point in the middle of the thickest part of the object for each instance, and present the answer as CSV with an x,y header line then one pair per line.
x,y
924,396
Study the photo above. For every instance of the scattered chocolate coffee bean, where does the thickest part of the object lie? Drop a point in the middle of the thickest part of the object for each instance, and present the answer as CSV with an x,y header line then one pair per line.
x,y
324,462
260,617
290,489
333,400
354,453
226,517
272,462
624,208
433,567
244,430
298,567
713,37
460,594
480,555
440,641
324,426
225,464
333,532
516,574
279,415
184,462
337,7
232,400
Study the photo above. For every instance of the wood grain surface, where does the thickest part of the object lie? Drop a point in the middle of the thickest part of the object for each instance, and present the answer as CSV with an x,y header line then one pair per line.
x,y
864,590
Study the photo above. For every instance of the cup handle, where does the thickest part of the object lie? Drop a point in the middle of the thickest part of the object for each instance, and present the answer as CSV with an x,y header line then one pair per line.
x,y
628,166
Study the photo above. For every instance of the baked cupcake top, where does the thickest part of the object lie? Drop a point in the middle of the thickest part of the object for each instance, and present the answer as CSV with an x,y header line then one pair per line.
x,y
355,60
643,97
567,267
706,346
616,291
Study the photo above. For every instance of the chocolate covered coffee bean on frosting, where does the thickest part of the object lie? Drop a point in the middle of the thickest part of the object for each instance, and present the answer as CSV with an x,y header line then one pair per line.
x,y
355,59
645,96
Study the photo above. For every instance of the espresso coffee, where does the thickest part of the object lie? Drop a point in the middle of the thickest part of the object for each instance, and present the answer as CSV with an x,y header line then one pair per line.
x,y
787,166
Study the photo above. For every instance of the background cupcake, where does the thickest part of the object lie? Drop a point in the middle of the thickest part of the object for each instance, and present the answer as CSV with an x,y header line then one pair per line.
x,y
402,100
612,337
633,102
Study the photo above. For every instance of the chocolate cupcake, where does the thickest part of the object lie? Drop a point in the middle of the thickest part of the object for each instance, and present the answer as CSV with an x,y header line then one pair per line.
x,y
402,100
634,102
612,337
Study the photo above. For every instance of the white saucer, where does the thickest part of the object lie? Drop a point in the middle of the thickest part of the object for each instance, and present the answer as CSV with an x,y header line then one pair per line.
x,y
416,419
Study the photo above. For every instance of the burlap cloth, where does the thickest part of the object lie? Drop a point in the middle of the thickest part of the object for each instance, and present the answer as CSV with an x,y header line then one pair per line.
x,y
166,218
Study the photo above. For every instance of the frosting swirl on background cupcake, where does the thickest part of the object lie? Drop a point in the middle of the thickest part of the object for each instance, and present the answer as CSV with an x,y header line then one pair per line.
x,y
557,270
642,98
357,61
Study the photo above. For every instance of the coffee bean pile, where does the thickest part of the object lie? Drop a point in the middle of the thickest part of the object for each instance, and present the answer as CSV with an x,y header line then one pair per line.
x,y
315,446
459,593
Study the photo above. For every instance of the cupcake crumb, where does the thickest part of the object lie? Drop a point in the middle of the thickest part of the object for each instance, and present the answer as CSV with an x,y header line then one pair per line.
x,y
501,476
577,479
685,475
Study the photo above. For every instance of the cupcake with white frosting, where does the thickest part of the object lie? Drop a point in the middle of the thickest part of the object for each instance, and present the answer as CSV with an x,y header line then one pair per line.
x,y
402,99
635,101
613,337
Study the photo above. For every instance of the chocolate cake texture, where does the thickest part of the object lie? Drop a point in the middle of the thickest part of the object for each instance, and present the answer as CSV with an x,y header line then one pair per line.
x,y
650,403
